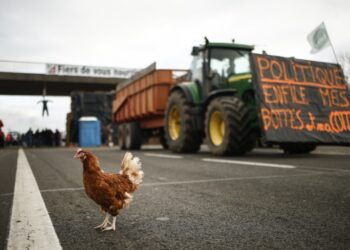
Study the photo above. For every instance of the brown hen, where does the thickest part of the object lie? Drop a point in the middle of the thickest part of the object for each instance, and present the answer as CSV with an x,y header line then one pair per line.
x,y
110,190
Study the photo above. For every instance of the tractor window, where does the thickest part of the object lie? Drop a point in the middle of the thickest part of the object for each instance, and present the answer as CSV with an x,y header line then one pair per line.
x,y
226,62
197,68
242,64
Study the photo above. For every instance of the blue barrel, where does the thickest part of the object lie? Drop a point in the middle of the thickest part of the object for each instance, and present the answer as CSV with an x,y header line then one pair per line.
x,y
89,132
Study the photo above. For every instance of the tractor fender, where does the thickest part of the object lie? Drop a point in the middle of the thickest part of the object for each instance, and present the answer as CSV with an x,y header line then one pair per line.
x,y
219,93
191,91
183,89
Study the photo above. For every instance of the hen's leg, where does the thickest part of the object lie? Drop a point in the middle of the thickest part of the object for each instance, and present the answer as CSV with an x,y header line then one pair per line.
x,y
112,226
105,222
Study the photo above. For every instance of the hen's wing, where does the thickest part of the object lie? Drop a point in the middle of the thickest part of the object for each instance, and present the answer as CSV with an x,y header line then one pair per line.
x,y
119,183
100,191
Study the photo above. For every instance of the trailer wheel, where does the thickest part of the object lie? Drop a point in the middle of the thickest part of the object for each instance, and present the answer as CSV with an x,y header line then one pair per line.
x,y
180,132
133,136
297,148
121,136
228,127
163,140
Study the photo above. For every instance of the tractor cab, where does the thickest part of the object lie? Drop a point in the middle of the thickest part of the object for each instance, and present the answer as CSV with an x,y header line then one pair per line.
x,y
218,66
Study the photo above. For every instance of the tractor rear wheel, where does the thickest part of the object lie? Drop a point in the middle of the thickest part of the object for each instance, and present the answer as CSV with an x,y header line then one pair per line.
x,y
180,132
228,127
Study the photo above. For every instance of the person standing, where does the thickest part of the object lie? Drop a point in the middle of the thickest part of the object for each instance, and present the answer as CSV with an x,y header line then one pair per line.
x,y
29,136
2,137
57,138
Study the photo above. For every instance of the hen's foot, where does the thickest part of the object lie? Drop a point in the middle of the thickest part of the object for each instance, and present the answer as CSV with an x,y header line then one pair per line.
x,y
105,223
112,226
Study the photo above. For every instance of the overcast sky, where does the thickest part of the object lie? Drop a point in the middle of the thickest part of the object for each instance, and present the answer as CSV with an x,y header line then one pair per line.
x,y
136,33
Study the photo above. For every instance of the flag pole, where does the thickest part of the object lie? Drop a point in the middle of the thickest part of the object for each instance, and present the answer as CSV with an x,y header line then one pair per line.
x,y
330,41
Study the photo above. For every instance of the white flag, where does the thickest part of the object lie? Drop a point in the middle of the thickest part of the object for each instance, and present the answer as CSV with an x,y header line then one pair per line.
x,y
318,38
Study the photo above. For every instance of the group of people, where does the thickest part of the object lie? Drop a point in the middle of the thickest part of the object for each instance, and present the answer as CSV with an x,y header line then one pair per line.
x,y
43,138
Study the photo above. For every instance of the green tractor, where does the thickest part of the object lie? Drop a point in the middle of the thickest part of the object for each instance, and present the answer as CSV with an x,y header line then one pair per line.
x,y
217,104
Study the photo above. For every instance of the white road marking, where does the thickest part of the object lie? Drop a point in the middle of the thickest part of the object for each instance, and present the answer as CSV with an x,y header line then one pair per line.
x,y
153,184
163,218
30,226
249,163
318,151
152,147
226,179
61,189
164,156
330,153
51,190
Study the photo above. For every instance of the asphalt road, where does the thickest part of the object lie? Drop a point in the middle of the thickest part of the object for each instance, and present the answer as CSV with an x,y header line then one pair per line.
x,y
264,200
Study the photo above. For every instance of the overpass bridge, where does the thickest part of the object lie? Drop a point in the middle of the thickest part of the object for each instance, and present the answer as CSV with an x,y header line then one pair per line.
x,y
31,78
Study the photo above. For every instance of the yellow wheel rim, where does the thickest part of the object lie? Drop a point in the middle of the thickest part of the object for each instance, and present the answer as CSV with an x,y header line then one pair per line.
x,y
216,128
174,123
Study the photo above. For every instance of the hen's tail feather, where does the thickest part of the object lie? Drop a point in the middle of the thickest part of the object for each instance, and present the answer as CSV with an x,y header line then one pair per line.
x,y
131,166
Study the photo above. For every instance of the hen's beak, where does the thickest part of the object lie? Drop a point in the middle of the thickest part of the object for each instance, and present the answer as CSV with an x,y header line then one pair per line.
x,y
76,156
